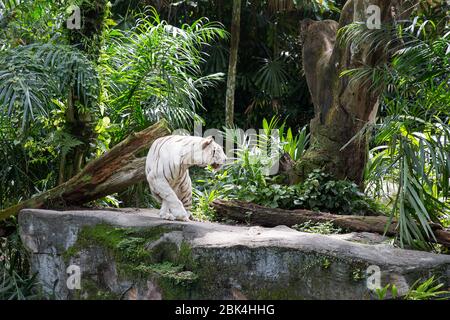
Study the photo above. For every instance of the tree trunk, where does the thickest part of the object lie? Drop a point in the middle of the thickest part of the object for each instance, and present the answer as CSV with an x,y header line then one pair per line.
x,y
231,81
268,217
113,172
79,121
342,108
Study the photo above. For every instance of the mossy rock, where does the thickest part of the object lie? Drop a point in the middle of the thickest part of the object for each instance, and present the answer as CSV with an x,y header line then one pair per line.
x,y
129,249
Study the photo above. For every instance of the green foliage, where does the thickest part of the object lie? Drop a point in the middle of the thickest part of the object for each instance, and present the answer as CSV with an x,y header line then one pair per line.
x,y
208,186
318,227
410,150
16,283
247,178
149,72
15,286
28,163
320,192
270,195
31,75
294,145
34,83
153,71
272,78
427,290
382,292
203,199
25,21
269,71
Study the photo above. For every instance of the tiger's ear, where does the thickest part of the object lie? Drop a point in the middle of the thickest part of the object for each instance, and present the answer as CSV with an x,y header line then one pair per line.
x,y
207,142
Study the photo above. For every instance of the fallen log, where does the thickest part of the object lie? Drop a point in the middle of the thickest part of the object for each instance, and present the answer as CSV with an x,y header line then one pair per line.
x,y
112,172
254,214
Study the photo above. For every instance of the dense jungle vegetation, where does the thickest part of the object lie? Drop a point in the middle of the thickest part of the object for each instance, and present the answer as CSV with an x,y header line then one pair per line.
x,y
68,96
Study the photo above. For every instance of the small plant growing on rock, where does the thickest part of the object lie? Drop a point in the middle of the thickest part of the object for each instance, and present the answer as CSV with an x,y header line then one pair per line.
x,y
427,290
322,228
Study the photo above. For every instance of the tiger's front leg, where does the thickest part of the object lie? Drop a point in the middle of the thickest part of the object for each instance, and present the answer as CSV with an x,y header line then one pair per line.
x,y
171,207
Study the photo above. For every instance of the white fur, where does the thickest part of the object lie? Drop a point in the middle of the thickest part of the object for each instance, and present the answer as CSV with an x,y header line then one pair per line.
x,y
166,167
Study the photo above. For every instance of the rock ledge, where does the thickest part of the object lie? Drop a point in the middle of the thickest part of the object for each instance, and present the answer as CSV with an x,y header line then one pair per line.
x,y
132,254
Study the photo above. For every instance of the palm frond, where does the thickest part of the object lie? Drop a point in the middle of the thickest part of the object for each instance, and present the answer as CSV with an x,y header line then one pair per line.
x,y
154,71
411,153
30,76
272,78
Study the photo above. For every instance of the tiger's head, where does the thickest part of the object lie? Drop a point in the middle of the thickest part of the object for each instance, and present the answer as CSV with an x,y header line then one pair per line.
x,y
211,154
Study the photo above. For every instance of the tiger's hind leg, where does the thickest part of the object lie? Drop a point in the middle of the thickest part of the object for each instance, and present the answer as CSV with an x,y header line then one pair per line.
x,y
184,193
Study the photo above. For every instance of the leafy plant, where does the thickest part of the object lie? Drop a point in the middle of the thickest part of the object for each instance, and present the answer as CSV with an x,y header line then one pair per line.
x,y
153,70
427,290
320,192
31,75
203,199
15,280
294,145
15,286
410,153
248,177
272,78
382,292
208,186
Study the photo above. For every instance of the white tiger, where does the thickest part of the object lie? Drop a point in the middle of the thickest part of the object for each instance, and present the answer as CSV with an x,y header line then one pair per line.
x,y
166,167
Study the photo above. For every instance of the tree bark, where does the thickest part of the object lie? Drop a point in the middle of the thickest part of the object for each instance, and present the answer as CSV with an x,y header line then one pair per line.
x,y
113,172
254,214
231,80
342,108
80,122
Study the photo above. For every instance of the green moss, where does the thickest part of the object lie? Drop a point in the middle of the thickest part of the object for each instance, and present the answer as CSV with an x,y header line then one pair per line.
x,y
86,178
358,274
91,291
70,252
174,291
126,244
165,263
174,281
286,293
168,270
313,261
185,256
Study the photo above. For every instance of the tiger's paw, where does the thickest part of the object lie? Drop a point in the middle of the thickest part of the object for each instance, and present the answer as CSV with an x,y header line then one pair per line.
x,y
180,214
164,214
184,218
